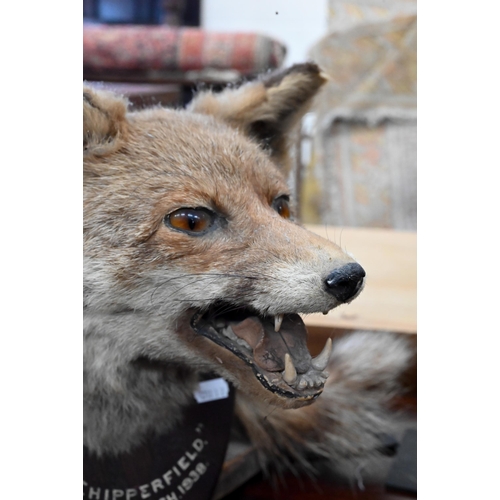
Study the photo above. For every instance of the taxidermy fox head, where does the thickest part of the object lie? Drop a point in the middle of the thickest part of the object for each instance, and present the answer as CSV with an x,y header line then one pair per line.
x,y
192,255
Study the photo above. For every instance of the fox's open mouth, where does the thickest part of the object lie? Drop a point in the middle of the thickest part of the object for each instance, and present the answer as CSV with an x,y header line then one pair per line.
x,y
274,347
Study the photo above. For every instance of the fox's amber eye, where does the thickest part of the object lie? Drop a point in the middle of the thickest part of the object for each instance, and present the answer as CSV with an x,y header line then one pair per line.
x,y
282,206
190,220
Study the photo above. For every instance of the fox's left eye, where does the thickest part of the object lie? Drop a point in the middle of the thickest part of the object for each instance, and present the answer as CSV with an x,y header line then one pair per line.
x,y
282,206
191,220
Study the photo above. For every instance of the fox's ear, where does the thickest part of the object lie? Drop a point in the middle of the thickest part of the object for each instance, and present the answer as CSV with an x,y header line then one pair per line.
x,y
268,108
104,122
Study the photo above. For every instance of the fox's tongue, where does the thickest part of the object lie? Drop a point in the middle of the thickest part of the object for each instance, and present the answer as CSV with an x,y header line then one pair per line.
x,y
269,347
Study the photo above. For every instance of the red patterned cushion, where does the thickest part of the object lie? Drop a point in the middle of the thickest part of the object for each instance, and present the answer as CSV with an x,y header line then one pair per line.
x,y
139,48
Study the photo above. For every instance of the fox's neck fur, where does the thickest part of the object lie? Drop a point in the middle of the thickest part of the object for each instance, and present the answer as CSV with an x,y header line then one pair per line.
x,y
127,400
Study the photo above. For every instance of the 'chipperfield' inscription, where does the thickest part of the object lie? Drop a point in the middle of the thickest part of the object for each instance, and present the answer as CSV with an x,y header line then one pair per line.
x,y
173,484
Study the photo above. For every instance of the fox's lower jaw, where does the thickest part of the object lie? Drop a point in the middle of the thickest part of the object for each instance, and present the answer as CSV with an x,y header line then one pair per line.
x,y
273,346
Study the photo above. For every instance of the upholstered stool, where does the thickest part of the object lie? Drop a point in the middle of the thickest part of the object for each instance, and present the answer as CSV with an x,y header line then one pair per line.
x,y
164,54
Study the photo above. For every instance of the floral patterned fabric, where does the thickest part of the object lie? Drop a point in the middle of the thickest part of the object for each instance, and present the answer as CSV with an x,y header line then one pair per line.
x,y
163,48
364,168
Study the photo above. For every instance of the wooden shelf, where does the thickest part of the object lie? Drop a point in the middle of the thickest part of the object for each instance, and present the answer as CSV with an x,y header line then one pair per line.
x,y
389,299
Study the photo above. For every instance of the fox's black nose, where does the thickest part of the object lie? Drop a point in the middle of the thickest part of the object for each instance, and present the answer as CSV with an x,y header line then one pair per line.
x,y
345,282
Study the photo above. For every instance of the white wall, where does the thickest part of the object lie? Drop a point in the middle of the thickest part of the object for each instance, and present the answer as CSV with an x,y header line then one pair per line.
x,y
299,24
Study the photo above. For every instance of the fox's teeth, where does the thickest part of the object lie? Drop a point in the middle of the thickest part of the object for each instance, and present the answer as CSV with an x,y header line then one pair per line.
x,y
278,319
321,360
290,374
317,382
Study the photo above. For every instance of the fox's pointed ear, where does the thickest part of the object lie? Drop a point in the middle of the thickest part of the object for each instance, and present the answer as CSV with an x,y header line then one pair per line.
x,y
268,108
104,122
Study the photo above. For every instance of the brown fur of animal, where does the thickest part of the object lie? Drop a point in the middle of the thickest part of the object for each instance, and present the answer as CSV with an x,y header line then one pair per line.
x,y
155,284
